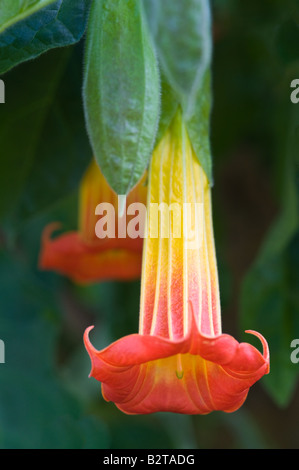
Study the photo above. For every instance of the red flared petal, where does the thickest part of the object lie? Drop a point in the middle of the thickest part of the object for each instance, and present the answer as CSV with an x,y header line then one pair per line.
x,y
146,374
107,259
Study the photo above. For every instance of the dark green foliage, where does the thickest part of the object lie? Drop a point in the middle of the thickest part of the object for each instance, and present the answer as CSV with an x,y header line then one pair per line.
x,y
33,27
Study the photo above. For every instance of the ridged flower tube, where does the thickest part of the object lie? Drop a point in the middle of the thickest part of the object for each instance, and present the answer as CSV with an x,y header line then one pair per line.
x,y
90,255
180,361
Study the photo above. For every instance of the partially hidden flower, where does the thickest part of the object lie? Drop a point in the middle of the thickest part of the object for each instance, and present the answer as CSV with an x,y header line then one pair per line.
x,y
90,255
180,361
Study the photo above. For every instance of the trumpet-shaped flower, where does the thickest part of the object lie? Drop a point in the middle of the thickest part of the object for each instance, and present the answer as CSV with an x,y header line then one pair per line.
x,y
91,255
180,361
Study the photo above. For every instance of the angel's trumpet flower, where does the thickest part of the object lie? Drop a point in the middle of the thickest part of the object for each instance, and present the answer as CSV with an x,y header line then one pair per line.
x,y
86,255
179,361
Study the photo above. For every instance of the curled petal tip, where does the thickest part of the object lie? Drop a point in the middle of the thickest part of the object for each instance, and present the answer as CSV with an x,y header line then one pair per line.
x,y
87,342
89,347
49,229
266,353
45,241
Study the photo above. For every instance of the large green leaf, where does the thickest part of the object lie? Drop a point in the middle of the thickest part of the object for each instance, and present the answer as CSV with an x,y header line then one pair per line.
x,y
120,91
270,296
44,145
29,28
182,36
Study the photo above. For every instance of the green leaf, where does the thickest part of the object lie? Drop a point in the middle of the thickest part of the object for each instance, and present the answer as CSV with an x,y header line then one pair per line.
x,y
121,91
182,35
29,28
12,12
198,126
270,298
169,105
37,170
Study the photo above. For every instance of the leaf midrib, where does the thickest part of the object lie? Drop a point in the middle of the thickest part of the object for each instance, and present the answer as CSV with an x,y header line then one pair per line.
x,y
25,14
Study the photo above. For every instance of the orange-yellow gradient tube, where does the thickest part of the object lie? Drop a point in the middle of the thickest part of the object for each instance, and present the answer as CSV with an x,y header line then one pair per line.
x,y
180,361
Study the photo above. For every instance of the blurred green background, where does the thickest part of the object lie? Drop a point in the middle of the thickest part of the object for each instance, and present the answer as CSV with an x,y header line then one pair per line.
x,y
46,398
